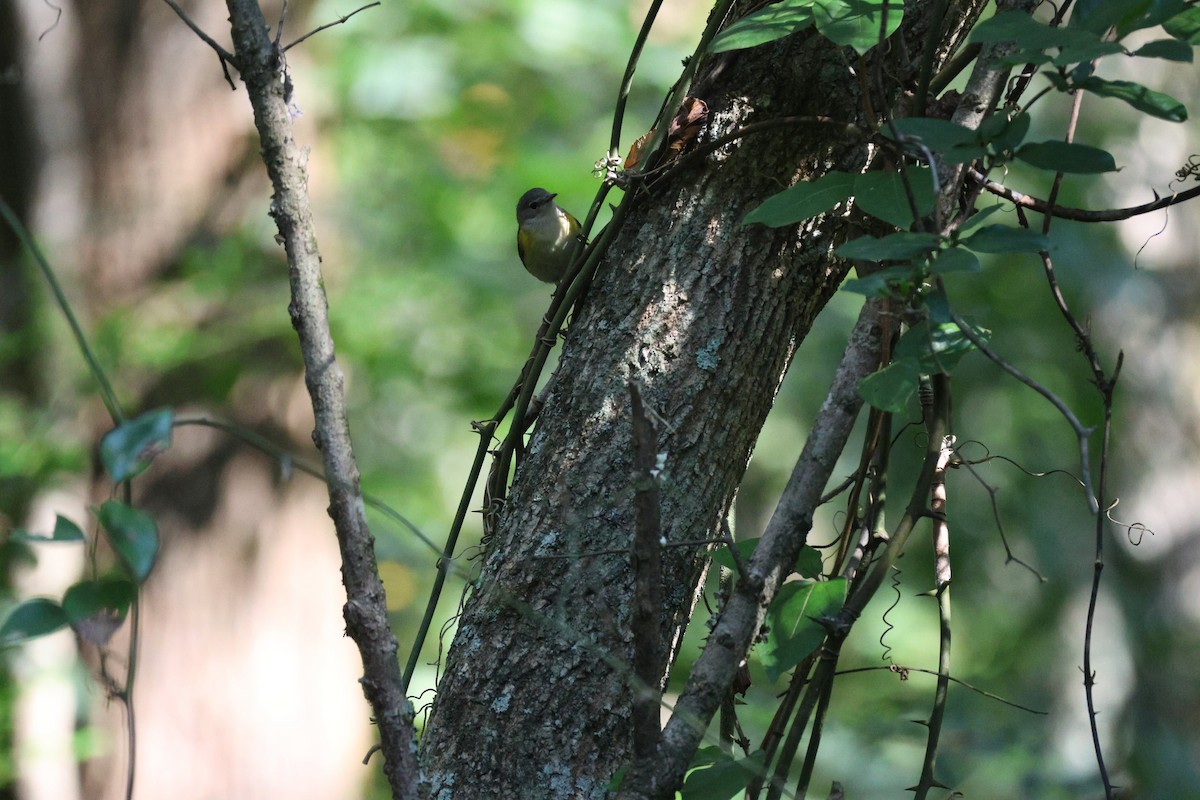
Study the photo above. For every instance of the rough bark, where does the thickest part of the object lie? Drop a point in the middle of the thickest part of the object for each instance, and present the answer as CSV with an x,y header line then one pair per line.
x,y
705,314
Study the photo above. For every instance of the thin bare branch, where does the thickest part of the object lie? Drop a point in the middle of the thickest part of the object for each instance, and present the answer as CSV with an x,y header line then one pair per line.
x,y
224,55
1079,214
328,25
903,671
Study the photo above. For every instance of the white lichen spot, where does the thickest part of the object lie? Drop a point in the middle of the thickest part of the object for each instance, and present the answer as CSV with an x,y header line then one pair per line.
x,y
500,704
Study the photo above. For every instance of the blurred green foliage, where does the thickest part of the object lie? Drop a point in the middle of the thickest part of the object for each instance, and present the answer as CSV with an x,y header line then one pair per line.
x,y
430,119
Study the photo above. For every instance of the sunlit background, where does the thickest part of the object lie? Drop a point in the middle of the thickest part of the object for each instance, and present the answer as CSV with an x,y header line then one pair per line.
x,y
136,167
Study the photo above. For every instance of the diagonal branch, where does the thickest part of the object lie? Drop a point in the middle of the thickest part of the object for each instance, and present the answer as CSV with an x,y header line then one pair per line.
x,y
224,55
328,25
1079,214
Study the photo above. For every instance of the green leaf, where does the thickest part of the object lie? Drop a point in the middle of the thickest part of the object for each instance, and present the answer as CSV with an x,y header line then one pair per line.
x,y
64,531
129,448
883,283
33,618
803,200
1157,12
1100,15
980,215
882,195
97,608
792,621
773,22
808,563
1125,16
1185,26
922,350
1030,35
1003,239
133,535
890,388
1067,157
856,23
109,595
903,246
954,259
1076,53
745,549
715,775
1156,104
1168,49
936,350
1002,133
955,144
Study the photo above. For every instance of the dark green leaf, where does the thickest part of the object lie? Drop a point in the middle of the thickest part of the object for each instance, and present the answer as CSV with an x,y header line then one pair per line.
x,y
1156,104
937,134
1168,49
882,195
33,618
110,595
890,388
96,609
980,215
13,551
715,775
1003,133
133,535
1144,14
1065,56
1003,239
933,350
954,143
955,259
809,563
129,448
1086,51
64,531
803,200
1067,157
1159,12
856,23
1185,26
745,549
792,621
773,22
881,283
902,246
1031,35
1100,15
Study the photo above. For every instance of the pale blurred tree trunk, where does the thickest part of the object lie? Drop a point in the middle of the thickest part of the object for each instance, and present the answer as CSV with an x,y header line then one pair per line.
x,y
706,314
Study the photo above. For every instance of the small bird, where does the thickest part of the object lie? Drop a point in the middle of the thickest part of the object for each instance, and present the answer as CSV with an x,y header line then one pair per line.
x,y
547,236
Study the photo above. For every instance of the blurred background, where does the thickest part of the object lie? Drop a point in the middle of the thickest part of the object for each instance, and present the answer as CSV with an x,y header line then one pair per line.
x,y
137,168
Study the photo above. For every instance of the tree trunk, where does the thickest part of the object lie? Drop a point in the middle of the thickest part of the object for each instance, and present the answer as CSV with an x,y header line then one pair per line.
x,y
706,314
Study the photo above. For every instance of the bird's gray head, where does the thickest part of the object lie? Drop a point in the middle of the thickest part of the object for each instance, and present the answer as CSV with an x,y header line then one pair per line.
x,y
533,202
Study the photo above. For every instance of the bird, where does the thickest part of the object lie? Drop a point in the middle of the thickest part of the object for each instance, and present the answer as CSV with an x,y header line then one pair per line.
x,y
547,236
